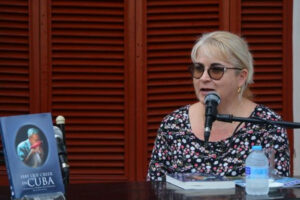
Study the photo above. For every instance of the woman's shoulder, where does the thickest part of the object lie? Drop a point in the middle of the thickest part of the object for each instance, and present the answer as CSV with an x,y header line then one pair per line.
x,y
265,112
179,113
178,118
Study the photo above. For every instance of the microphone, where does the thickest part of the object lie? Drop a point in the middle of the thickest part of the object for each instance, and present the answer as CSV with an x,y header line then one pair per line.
x,y
60,122
211,101
62,154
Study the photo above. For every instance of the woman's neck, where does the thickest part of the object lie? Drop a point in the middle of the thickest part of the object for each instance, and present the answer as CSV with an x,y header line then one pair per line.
x,y
237,107
229,107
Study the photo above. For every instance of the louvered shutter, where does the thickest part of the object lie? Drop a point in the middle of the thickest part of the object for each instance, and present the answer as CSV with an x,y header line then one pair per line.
x,y
171,30
14,61
262,24
266,25
14,55
89,87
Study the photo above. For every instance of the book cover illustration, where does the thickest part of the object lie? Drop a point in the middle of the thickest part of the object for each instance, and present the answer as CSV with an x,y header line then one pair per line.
x,y
31,156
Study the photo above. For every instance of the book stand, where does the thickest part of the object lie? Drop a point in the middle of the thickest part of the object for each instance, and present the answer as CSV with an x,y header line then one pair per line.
x,y
50,196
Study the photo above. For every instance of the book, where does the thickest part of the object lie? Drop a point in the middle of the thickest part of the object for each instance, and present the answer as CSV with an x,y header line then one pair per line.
x,y
199,181
288,181
282,182
31,156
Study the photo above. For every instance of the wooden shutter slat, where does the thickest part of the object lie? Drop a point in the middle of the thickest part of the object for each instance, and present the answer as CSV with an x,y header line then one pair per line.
x,y
203,3
263,18
89,54
15,17
87,33
180,38
90,19
195,31
187,16
13,32
90,40
89,4
184,59
261,4
166,47
87,26
88,62
15,3
14,9
179,9
15,25
13,40
88,11
256,10
182,24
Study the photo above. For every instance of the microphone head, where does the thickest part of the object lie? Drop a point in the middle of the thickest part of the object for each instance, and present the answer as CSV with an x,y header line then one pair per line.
x,y
57,133
60,120
212,96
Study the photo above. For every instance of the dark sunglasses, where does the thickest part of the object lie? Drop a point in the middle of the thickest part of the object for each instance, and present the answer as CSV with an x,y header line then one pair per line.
x,y
215,71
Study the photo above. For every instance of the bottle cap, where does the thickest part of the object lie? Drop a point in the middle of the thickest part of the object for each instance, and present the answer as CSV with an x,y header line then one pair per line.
x,y
257,147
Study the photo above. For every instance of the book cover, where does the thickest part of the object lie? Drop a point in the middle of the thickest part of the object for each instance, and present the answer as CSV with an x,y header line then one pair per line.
x,y
281,182
31,156
199,181
288,181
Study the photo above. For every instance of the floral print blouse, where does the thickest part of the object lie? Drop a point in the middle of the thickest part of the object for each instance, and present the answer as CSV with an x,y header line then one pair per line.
x,y
177,149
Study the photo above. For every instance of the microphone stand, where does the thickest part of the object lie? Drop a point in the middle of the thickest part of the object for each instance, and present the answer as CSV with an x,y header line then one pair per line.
x,y
60,122
255,120
231,118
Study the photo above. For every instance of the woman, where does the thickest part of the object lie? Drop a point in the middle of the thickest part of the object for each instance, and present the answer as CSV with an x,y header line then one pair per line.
x,y
223,64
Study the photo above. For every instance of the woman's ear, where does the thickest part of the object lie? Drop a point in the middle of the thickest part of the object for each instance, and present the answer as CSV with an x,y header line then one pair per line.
x,y
243,77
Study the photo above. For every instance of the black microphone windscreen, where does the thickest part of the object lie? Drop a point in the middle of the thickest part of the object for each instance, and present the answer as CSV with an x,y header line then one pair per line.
x,y
212,96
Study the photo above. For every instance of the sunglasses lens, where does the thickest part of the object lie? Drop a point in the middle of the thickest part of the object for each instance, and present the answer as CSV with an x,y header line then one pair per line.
x,y
216,73
198,70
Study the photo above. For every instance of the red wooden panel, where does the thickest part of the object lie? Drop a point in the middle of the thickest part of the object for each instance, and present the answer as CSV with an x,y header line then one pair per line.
x,y
89,86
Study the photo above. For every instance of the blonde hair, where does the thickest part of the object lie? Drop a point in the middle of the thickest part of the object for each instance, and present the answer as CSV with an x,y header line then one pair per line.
x,y
229,48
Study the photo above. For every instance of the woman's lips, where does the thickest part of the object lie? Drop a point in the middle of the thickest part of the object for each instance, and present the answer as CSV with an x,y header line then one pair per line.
x,y
205,91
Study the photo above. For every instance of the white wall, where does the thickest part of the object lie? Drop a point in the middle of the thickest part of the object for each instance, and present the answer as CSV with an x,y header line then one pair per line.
x,y
296,83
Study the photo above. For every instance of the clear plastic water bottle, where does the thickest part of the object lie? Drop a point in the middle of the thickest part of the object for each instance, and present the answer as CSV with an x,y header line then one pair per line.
x,y
257,172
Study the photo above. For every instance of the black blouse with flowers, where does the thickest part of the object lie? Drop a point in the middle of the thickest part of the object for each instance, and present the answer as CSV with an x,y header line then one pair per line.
x,y
177,149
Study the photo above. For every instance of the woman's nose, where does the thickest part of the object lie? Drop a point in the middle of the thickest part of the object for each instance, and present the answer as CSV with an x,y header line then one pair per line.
x,y
205,75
